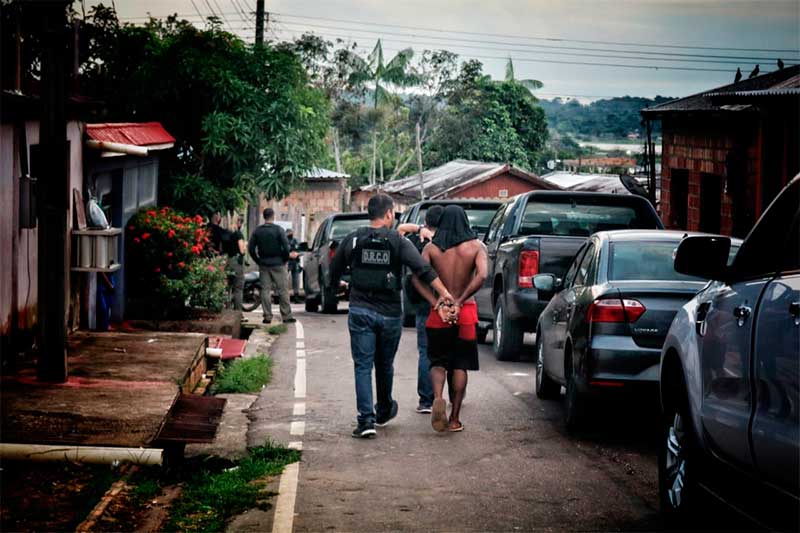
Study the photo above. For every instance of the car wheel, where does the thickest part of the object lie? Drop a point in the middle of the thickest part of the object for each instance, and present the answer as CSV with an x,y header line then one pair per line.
x,y
312,304
327,299
575,407
251,298
508,334
481,334
678,486
546,388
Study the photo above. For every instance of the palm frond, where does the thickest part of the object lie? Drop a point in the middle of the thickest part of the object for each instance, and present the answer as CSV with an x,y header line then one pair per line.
x,y
509,70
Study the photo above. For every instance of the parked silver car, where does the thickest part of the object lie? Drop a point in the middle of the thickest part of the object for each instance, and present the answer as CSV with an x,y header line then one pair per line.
x,y
730,369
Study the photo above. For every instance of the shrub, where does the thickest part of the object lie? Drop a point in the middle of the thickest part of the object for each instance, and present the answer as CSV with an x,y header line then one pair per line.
x,y
169,265
243,375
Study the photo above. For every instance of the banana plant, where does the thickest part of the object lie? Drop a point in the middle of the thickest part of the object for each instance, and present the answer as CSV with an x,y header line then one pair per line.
x,y
376,72
531,85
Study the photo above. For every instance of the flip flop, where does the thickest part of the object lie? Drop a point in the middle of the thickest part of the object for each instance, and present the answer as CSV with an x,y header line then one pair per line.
x,y
456,429
439,415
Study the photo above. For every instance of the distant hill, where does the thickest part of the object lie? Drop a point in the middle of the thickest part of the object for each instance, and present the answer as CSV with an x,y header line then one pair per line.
x,y
613,118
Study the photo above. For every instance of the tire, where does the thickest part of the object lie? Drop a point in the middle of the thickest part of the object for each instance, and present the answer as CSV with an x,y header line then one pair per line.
x,y
312,305
508,334
251,298
481,334
678,485
546,388
327,298
575,404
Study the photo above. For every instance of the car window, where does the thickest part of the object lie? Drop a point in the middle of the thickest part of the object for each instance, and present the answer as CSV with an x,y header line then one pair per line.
x,y
341,227
637,260
497,222
773,244
318,236
583,274
583,217
573,268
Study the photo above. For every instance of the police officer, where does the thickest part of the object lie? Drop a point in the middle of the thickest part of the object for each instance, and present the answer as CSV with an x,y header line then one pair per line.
x,y
376,256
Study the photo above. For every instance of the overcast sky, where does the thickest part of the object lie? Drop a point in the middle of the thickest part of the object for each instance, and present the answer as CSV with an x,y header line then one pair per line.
x,y
495,29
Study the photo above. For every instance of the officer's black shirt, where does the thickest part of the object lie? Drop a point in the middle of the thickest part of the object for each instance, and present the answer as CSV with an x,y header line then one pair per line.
x,y
268,245
387,303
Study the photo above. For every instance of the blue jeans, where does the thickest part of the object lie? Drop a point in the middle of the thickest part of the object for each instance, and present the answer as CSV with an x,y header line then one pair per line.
x,y
424,385
373,341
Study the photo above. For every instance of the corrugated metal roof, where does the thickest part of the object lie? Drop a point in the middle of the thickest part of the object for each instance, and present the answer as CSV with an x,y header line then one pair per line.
x,y
705,101
135,133
455,174
571,181
317,173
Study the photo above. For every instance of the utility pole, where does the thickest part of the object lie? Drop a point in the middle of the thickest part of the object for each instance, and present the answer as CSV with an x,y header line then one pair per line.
x,y
259,22
336,154
374,155
53,196
419,163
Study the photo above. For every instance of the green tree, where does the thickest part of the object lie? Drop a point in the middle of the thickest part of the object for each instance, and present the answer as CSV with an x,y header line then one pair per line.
x,y
246,118
379,74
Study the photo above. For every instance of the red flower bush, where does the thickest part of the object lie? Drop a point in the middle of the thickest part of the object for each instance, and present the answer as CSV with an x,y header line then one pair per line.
x,y
159,240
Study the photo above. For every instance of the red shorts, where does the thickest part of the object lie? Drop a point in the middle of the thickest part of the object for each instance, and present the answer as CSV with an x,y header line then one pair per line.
x,y
467,320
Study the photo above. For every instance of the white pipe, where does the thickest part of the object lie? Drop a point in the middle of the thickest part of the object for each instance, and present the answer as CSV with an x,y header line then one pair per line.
x,y
81,454
130,149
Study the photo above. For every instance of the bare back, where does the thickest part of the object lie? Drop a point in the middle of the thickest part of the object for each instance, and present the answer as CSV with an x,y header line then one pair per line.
x,y
459,266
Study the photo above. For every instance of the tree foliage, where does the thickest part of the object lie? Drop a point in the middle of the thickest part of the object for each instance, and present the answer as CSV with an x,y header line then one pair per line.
x,y
245,117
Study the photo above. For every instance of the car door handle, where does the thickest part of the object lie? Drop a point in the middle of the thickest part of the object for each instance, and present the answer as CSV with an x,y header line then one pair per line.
x,y
742,313
794,310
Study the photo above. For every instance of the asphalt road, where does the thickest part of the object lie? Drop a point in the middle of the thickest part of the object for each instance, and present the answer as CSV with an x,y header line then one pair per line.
x,y
515,467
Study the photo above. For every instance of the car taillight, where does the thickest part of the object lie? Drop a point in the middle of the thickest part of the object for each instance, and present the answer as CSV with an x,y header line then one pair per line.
x,y
616,310
528,267
332,251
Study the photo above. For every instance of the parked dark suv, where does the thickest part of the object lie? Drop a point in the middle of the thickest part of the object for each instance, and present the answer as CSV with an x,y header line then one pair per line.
x,y
730,373
316,271
540,232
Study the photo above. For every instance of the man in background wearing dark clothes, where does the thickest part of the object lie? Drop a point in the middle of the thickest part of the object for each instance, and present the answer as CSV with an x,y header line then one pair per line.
x,y
269,248
423,309
294,266
235,249
376,256
216,232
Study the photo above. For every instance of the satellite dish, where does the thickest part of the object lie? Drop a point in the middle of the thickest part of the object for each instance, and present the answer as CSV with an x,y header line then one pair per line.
x,y
551,164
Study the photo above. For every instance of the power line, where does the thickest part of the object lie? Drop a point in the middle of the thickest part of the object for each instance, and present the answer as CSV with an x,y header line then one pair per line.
x,y
524,37
584,41
223,15
579,54
195,8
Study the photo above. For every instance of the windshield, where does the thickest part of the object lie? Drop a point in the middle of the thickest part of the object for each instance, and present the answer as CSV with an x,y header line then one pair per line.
x,y
652,261
582,220
479,217
341,227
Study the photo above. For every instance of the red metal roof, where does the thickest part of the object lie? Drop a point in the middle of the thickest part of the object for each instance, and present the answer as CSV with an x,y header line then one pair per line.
x,y
135,133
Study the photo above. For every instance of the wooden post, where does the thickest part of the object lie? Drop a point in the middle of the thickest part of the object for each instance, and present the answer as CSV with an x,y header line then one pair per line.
x,y
419,163
54,197
381,165
259,22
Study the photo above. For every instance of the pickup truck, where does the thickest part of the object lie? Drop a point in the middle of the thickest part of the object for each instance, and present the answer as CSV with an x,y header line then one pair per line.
x,y
536,233
479,213
730,375
318,256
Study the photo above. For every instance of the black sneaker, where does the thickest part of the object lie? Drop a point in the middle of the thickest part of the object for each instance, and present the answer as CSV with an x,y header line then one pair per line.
x,y
289,320
382,421
365,430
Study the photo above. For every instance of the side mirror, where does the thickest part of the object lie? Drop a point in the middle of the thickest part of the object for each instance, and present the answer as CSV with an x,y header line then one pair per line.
x,y
546,282
703,257
302,247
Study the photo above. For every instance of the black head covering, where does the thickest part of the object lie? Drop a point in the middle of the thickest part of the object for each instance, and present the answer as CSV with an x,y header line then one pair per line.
x,y
453,228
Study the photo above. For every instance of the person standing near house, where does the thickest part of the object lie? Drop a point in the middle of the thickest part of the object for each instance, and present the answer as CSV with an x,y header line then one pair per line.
x,y
269,248
235,248
376,255
422,310
294,266
217,232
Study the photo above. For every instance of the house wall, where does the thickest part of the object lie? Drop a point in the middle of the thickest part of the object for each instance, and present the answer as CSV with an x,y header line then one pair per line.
x,y
491,189
702,147
306,208
19,260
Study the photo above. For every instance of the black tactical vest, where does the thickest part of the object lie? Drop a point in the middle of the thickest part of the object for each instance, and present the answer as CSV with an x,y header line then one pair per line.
x,y
375,262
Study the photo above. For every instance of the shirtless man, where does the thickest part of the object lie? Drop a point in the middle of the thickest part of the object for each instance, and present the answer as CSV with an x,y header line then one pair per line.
x,y
460,260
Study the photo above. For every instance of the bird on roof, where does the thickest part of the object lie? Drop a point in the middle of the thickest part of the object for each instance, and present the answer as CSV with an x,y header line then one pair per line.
x,y
754,73
780,64
738,76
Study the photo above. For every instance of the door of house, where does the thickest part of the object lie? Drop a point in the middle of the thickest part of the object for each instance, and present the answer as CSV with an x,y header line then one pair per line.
x,y
710,202
678,198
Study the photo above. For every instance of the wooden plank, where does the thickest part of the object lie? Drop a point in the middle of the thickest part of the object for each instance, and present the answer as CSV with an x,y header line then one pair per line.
x,y
80,211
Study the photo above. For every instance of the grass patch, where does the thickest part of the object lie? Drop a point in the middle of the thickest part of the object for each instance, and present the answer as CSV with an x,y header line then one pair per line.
x,y
146,490
277,329
243,375
210,498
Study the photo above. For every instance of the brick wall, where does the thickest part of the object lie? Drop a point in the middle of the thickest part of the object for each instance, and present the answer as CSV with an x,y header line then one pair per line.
x,y
310,204
702,147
